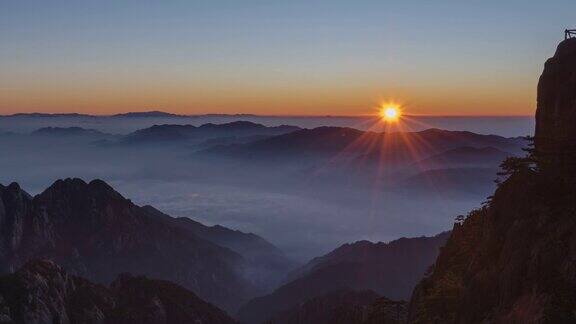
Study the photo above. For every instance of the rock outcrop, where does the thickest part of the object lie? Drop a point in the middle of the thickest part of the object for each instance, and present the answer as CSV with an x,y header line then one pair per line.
x,y
42,292
514,260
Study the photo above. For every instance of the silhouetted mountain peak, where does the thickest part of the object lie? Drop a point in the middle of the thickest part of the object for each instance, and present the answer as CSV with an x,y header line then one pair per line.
x,y
78,189
14,186
12,194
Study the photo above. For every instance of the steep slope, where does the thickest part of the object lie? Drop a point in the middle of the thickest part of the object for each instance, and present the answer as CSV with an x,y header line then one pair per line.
x,y
344,307
42,292
268,264
390,269
513,261
92,231
556,108
509,262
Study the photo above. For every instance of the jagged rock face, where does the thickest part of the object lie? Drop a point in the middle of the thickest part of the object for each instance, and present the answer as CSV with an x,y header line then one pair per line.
x,y
555,135
14,205
92,231
42,292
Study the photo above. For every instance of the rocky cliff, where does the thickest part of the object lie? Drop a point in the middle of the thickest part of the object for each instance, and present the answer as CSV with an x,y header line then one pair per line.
x,y
556,111
514,260
42,292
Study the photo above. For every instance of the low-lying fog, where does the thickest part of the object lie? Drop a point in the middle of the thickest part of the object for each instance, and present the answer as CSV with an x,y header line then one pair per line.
x,y
304,213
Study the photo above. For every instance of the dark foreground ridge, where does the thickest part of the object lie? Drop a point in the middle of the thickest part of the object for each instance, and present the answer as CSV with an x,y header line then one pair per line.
x,y
42,292
513,261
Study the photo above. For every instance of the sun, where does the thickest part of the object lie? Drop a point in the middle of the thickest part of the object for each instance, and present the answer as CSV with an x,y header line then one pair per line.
x,y
390,113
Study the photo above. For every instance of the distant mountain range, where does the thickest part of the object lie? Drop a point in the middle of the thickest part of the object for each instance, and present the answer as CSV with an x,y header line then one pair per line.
x,y
243,140
43,292
390,147
178,133
92,231
134,114
48,115
390,269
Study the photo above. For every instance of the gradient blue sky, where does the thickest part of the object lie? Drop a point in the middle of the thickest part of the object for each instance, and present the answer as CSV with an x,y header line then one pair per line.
x,y
277,57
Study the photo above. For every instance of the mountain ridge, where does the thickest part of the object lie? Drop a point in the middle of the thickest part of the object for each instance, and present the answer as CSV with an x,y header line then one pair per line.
x,y
346,140
93,231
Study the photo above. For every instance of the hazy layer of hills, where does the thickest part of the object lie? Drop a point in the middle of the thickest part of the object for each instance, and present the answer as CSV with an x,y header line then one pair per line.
x,y
509,126
239,131
327,173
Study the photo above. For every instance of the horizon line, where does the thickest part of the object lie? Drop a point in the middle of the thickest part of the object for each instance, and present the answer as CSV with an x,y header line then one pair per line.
x,y
177,115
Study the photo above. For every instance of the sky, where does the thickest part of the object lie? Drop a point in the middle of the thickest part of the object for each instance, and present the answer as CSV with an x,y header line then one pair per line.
x,y
298,57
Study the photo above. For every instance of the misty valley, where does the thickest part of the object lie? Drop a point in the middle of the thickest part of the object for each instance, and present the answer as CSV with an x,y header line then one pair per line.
x,y
255,219
307,190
